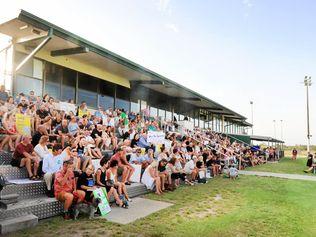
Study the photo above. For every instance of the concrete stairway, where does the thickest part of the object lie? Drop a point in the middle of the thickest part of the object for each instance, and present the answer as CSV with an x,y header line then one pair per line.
x,y
25,202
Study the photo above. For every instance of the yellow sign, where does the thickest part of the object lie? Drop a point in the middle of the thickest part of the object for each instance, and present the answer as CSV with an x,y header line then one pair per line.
x,y
82,112
23,124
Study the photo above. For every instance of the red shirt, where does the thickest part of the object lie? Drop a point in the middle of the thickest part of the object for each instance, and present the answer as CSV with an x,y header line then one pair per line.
x,y
68,186
20,149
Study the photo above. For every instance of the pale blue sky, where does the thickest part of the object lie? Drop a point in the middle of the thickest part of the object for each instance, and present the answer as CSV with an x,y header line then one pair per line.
x,y
230,51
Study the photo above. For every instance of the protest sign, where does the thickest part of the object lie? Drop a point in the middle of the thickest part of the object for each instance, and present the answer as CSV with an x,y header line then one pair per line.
x,y
156,137
104,205
82,112
67,107
137,172
23,124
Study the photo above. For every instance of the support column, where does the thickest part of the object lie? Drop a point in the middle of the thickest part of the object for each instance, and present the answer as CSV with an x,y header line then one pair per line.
x,y
223,125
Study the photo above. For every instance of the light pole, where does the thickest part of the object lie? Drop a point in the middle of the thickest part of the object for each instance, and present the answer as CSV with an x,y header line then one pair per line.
x,y
281,129
308,83
251,104
274,126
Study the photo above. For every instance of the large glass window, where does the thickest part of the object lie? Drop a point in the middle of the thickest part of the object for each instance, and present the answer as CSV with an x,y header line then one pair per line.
x,y
106,97
106,101
122,104
53,80
162,114
135,106
168,116
153,112
87,90
68,89
26,84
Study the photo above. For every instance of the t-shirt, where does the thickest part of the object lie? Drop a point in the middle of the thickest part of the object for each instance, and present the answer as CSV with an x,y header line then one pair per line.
x,y
68,186
42,114
52,164
73,128
64,130
135,158
85,180
20,149
96,132
189,167
41,151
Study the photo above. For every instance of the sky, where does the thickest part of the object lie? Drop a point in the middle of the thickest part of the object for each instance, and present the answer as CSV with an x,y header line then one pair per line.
x,y
231,51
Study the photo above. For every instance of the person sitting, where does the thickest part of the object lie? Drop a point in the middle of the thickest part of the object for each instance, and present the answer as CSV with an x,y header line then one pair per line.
x,y
101,181
65,188
24,155
111,174
41,148
63,132
73,127
311,163
125,167
151,178
86,183
53,163
4,137
163,174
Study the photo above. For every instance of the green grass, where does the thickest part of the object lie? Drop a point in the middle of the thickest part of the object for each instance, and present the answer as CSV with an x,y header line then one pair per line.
x,y
285,165
248,206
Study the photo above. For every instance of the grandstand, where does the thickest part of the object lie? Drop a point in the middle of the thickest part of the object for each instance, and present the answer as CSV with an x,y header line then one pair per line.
x,y
47,59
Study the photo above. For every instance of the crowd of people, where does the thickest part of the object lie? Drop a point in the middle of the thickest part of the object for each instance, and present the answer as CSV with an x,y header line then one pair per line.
x,y
62,146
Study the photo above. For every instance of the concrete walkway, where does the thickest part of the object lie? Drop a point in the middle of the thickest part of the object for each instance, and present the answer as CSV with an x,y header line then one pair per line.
x,y
279,175
139,208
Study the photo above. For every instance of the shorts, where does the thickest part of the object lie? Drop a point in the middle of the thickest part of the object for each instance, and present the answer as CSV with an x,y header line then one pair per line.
x,y
16,162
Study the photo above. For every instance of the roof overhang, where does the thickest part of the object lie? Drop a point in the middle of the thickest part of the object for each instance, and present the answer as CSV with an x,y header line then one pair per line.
x,y
265,139
69,50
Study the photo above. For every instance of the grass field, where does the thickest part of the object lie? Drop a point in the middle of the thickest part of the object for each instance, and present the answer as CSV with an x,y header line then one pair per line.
x,y
248,206
285,165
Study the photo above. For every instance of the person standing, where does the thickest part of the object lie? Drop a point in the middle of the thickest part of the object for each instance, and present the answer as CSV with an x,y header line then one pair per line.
x,y
294,154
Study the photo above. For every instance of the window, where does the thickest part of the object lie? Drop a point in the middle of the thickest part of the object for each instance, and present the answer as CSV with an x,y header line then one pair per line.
x,y
168,116
53,80
68,89
153,112
37,69
135,106
87,90
143,105
161,114
122,104
106,101
106,96
26,84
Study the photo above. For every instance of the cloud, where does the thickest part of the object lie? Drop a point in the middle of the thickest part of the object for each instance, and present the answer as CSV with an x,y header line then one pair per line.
x,y
172,27
164,6
247,3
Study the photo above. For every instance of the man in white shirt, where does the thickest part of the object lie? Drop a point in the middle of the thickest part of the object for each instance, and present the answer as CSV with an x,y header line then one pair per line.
x,y
53,163
190,169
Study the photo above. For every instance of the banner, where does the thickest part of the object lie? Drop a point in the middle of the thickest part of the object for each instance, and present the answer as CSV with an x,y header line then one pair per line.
x,y
23,124
82,112
137,172
67,107
156,137
104,205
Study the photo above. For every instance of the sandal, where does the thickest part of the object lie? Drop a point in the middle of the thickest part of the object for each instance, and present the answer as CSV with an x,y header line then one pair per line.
x,y
32,177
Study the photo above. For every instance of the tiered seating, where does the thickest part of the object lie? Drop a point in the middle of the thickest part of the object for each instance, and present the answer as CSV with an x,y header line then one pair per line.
x,y
24,202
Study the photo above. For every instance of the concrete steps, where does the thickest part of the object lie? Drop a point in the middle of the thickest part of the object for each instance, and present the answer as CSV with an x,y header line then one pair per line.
x,y
24,201
20,223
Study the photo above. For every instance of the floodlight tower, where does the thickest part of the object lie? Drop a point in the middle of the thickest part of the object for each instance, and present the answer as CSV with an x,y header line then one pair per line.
x,y
308,83
251,104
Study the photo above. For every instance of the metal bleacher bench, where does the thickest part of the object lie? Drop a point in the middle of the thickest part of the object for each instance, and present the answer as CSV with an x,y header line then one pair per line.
x,y
24,203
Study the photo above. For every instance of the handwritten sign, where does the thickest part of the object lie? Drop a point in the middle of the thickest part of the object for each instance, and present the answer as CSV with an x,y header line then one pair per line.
x,y
104,205
67,107
156,137
23,124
